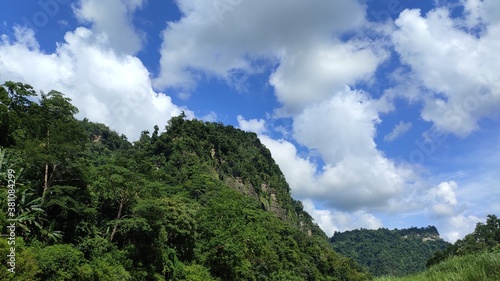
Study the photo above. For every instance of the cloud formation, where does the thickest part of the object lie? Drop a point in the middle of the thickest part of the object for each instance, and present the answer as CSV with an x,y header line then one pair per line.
x,y
257,126
106,86
336,221
456,66
400,129
227,38
112,19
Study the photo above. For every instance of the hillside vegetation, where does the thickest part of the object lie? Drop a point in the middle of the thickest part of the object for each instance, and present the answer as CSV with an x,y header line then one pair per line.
x,y
476,257
390,252
200,201
483,266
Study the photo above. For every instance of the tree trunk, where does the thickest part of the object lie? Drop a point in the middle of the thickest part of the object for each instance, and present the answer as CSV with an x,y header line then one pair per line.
x,y
45,181
115,227
46,177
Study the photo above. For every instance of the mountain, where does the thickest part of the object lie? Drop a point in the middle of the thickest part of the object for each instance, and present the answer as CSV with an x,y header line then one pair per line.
x,y
390,252
199,201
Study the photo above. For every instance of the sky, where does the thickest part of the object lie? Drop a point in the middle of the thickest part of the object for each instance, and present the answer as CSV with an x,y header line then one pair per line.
x,y
380,113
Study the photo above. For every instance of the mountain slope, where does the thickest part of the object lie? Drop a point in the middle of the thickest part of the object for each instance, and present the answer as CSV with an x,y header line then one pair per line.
x,y
246,211
201,201
390,252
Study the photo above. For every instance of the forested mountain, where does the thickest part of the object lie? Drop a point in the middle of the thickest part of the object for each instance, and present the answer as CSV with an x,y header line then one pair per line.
x,y
390,252
200,201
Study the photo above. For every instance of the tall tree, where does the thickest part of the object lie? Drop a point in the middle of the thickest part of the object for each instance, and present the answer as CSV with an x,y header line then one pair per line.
x,y
116,188
15,108
52,137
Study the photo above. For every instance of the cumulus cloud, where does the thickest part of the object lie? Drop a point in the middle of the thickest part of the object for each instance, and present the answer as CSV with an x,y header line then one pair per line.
x,y
112,19
210,117
335,221
312,75
447,213
257,126
400,129
481,12
457,66
299,172
227,38
443,200
356,174
106,86
456,227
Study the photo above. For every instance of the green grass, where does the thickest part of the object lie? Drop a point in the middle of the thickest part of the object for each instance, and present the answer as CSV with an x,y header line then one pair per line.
x,y
478,267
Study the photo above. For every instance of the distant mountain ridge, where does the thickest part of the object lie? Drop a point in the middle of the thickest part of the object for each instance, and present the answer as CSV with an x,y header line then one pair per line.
x,y
395,252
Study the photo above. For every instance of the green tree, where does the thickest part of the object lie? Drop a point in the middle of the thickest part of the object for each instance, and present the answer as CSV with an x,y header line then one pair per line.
x,y
15,108
59,262
116,188
485,238
58,137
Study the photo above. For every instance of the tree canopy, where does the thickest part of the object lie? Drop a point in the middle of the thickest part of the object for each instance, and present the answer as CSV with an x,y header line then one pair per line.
x,y
396,252
485,238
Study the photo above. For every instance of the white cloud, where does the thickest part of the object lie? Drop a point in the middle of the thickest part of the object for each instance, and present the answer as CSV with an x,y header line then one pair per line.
x,y
257,126
443,200
480,12
339,127
299,172
447,214
313,74
458,68
224,38
445,192
335,221
400,129
210,117
456,227
113,20
356,174
107,87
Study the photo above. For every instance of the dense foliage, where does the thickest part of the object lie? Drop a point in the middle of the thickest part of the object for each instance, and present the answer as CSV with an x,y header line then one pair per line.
x,y
390,252
200,201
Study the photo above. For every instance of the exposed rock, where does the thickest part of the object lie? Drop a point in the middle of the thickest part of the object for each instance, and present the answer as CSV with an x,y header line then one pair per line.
x,y
245,188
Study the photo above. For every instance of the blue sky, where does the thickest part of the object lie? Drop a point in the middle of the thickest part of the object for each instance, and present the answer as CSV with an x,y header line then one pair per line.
x,y
380,113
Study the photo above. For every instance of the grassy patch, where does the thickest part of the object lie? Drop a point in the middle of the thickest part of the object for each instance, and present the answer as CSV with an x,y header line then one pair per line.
x,y
484,267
